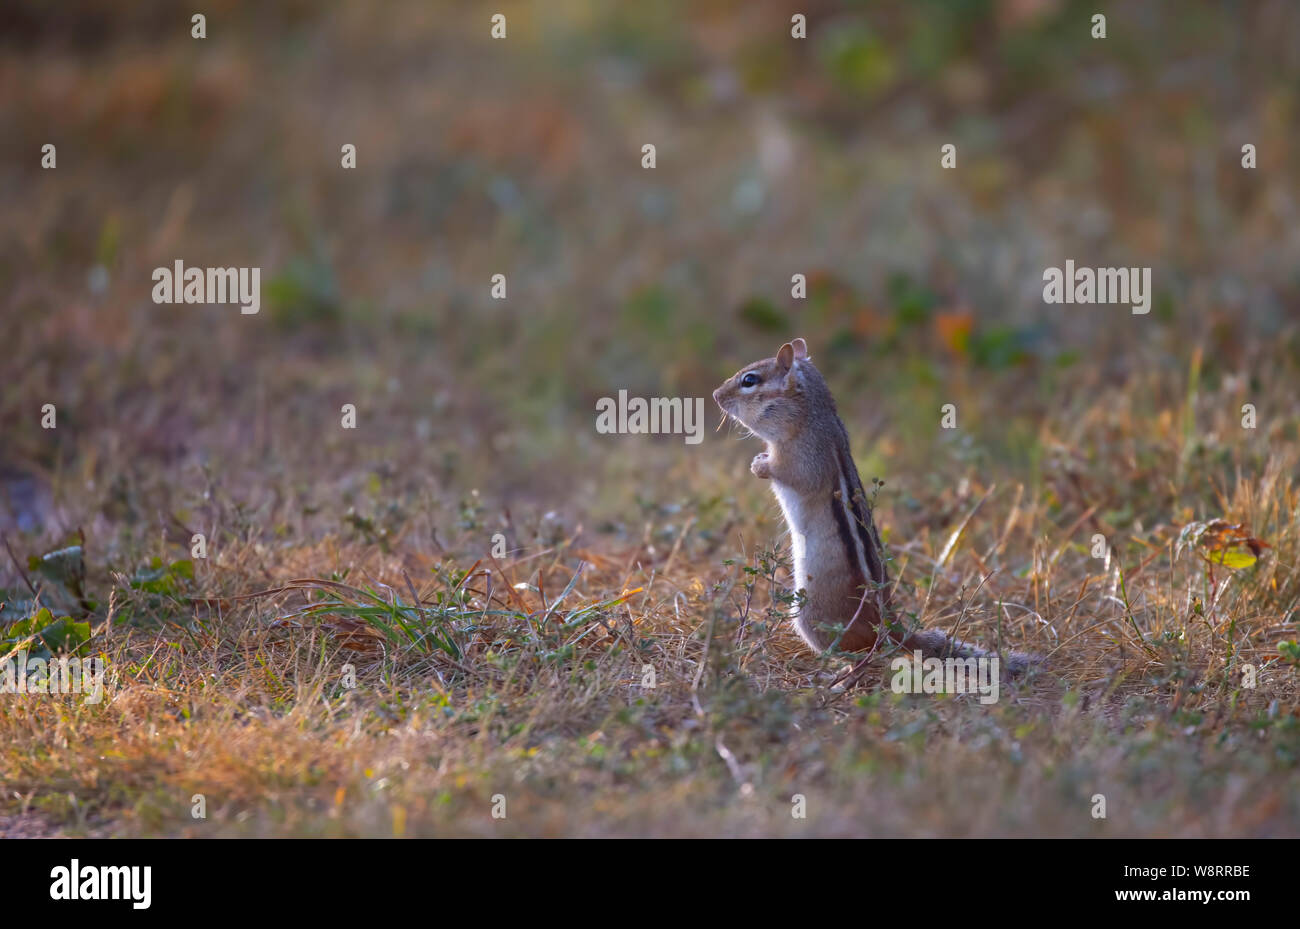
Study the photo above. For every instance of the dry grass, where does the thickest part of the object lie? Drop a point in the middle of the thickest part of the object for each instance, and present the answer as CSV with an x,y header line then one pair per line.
x,y
538,697
521,676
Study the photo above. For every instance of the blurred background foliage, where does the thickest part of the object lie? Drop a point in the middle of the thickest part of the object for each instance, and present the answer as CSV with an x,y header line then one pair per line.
x,y
522,157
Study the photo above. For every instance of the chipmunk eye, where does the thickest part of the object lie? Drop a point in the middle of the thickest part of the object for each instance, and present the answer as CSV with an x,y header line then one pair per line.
x,y
750,379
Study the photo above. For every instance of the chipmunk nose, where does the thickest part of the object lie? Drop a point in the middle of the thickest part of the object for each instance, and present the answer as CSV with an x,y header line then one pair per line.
x,y
716,398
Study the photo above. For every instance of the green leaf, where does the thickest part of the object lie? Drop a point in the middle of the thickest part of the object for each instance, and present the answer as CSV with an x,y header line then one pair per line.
x,y
160,579
43,635
65,566
64,572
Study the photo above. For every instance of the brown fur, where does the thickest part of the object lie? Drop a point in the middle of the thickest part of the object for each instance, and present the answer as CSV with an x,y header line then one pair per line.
x,y
839,561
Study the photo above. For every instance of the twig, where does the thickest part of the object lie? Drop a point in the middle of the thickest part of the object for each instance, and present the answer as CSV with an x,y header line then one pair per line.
x,y
18,566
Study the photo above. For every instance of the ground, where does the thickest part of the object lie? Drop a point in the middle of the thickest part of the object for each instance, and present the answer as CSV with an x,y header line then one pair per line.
x,y
453,610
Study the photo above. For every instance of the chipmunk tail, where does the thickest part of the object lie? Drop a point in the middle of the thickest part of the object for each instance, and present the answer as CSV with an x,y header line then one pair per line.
x,y
934,643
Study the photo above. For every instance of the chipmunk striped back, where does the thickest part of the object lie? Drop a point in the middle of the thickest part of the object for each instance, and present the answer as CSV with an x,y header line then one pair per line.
x,y
839,561
840,565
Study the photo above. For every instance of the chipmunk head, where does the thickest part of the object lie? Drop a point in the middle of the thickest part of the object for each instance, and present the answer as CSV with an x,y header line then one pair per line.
x,y
769,397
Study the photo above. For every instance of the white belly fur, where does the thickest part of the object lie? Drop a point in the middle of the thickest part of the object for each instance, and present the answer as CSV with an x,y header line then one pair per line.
x,y
813,541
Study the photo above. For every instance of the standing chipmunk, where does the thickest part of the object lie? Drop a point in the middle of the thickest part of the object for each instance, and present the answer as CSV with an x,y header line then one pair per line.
x,y
839,561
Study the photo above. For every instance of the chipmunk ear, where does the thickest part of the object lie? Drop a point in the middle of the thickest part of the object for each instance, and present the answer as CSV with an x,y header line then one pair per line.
x,y
800,348
785,357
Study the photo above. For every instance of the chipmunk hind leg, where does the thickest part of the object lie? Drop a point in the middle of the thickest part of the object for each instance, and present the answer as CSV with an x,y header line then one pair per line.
x,y
824,614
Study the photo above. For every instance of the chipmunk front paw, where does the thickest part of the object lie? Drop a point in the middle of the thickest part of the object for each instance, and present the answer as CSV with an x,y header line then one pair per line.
x,y
761,466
